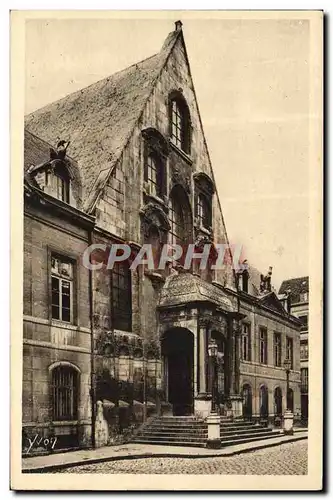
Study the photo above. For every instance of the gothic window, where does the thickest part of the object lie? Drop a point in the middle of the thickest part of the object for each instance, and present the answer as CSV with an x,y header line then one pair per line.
x,y
180,123
277,349
246,342
179,217
121,296
203,212
154,170
62,288
64,393
204,190
263,345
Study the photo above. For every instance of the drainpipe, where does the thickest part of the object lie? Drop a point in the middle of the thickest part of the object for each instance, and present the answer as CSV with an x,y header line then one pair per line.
x,y
92,355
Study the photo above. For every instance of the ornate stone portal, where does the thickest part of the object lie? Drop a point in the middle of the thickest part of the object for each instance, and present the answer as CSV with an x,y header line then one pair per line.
x,y
191,312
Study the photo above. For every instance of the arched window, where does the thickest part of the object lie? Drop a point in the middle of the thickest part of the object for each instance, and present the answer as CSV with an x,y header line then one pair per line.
x,y
278,402
247,401
58,182
180,126
263,402
179,216
64,393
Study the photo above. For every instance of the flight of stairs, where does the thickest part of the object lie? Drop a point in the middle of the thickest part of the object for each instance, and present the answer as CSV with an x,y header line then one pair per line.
x,y
190,431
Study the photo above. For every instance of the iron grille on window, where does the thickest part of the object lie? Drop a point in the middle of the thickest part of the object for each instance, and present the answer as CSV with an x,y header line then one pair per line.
x,y
246,343
64,393
277,349
263,346
62,289
121,296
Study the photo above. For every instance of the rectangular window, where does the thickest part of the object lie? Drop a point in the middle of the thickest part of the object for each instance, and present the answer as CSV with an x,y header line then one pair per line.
x,y
176,124
246,342
121,290
62,289
64,392
304,321
289,352
277,349
304,380
304,351
304,297
263,345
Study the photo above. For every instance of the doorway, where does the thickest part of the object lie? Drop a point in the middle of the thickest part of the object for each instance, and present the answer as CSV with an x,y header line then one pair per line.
x,y
247,402
178,355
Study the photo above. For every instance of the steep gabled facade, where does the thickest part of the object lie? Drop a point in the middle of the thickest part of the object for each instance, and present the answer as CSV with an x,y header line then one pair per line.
x,y
143,174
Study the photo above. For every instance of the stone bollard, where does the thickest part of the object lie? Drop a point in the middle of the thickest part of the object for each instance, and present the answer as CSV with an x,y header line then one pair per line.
x,y
288,422
214,438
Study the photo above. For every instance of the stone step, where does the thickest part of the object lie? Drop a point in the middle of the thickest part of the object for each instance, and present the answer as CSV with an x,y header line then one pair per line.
x,y
180,427
239,437
172,437
171,443
250,439
248,430
145,433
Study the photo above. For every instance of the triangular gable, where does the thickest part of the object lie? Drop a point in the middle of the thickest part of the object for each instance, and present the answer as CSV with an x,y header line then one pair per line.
x,y
272,301
99,119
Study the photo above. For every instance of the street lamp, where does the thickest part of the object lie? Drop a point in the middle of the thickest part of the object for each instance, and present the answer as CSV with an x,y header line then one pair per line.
x,y
288,420
212,353
287,367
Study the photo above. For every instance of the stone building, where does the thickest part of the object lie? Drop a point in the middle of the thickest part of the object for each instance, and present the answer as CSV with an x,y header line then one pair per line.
x,y
103,347
298,292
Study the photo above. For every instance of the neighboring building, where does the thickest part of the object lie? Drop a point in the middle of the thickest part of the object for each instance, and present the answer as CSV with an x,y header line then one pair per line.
x,y
269,336
297,290
56,315
141,174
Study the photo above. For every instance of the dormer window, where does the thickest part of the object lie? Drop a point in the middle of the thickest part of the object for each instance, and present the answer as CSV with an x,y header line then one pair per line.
x,y
58,183
180,126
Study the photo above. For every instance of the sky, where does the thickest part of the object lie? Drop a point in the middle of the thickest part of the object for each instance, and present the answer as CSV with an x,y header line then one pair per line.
x,y
252,82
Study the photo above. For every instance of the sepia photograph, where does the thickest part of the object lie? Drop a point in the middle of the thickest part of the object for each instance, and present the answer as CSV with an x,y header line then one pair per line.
x,y
168,171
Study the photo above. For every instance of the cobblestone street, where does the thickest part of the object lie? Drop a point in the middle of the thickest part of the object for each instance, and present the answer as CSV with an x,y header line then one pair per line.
x,y
285,459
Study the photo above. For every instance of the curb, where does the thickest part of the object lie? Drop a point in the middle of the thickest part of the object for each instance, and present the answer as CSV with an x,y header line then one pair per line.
x,y
89,461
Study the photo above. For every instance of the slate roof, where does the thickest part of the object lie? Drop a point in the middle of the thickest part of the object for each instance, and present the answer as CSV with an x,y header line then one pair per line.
x,y
185,288
99,119
296,287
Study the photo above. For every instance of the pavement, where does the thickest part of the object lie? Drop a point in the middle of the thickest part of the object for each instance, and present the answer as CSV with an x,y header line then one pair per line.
x,y
59,461
284,459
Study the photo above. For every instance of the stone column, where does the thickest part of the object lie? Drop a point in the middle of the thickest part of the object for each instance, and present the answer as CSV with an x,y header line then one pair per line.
x,y
203,400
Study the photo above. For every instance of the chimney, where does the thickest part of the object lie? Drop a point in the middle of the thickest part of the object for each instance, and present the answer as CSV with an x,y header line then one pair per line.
x,y
178,25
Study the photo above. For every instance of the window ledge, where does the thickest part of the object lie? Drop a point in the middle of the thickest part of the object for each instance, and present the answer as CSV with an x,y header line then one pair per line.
x,y
64,324
154,197
182,153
